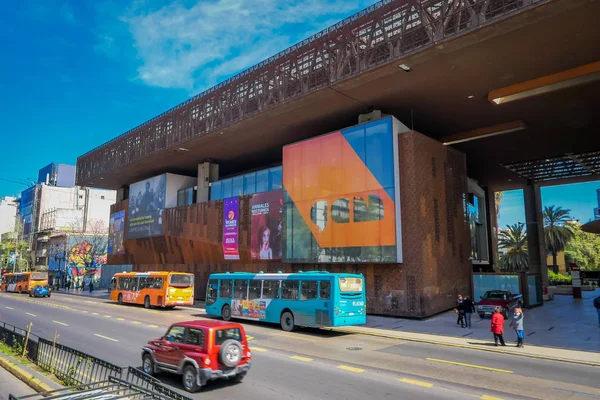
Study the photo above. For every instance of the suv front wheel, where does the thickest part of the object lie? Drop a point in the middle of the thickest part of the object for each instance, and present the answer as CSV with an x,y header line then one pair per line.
x,y
190,379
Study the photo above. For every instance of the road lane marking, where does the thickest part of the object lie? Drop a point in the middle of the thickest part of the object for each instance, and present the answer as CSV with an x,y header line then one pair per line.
x,y
33,315
471,365
120,319
136,322
414,382
84,311
10,308
259,349
60,323
153,326
486,397
299,358
351,369
90,302
106,337
95,313
107,316
249,337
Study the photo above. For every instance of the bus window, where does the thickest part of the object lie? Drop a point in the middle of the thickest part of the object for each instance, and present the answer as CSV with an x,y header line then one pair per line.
x,y
240,290
270,289
309,290
113,284
159,283
181,280
254,289
289,290
325,290
225,292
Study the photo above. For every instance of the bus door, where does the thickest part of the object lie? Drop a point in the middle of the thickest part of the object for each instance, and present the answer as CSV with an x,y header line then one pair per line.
x,y
310,308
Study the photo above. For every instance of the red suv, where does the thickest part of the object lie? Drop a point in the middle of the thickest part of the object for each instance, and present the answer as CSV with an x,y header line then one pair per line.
x,y
200,351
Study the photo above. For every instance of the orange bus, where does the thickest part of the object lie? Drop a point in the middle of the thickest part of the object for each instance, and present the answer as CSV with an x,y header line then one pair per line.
x,y
23,282
153,289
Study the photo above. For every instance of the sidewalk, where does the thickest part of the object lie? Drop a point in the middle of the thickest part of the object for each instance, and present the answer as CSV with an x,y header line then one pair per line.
x,y
10,384
97,293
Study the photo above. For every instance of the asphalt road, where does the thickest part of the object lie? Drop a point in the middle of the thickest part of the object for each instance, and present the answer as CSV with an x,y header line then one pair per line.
x,y
310,364
11,385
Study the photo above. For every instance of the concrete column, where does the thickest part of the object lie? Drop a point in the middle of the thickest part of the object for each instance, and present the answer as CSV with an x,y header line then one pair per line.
x,y
535,232
492,227
207,172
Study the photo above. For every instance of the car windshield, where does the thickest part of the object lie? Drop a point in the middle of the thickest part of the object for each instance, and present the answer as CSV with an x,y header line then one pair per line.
x,y
495,295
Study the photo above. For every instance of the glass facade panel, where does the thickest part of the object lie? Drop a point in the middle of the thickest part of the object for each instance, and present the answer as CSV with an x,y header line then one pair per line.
x,y
275,178
262,181
216,190
250,183
483,283
227,192
237,186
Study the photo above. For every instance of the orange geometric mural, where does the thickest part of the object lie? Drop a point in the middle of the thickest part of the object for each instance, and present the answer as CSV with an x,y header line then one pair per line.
x,y
332,188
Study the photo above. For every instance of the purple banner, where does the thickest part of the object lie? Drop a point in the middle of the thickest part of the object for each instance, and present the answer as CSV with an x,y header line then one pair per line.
x,y
230,229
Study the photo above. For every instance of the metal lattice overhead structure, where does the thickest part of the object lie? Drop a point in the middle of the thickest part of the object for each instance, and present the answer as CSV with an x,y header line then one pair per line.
x,y
562,167
383,33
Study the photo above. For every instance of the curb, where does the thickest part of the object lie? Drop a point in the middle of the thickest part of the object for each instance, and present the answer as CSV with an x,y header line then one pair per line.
x,y
30,380
462,346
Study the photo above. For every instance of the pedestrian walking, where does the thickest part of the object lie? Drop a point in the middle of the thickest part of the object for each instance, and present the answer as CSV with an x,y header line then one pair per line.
x,y
467,308
460,321
597,305
497,327
517,324
91,285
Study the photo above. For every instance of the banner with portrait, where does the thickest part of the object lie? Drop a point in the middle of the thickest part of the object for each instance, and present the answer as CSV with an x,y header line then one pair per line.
x,y
230,228
116,233
266,210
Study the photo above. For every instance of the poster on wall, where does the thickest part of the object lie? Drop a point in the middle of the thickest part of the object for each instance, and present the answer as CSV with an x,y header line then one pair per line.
x,y
146,208
341,202
267,225
116,233
230,228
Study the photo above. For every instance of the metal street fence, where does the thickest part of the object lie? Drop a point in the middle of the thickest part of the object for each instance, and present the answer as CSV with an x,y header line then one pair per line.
x,y
15,338
72,366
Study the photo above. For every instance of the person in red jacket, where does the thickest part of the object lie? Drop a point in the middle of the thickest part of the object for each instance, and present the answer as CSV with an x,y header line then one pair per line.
x,y
497,327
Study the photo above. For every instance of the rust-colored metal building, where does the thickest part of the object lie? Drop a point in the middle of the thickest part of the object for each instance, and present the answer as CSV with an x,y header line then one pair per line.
x,y
491,95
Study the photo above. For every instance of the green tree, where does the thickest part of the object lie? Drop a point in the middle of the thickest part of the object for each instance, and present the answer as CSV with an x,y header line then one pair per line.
x,y
514,240
557,230
583,249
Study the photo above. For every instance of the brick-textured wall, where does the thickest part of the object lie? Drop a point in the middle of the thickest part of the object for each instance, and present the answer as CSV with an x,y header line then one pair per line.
x,y
435,235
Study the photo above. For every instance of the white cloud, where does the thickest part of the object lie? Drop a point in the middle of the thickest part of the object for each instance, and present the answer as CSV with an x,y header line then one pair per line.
x,y
194,46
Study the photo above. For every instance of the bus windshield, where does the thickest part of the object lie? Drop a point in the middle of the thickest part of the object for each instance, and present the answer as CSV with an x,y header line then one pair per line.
x,y
39,276
181,280
350,285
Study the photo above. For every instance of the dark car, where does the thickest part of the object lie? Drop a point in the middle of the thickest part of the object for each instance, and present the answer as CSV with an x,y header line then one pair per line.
x,y
200,351
40,291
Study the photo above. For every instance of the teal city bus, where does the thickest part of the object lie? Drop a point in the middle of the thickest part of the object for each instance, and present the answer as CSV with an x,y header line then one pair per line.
x,y
315,299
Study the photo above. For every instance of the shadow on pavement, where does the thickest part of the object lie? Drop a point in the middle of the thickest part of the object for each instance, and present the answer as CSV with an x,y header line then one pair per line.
x,y
316,332
174,381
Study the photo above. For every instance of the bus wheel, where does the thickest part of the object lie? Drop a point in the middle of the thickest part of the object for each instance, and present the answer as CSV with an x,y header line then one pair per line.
x,y
287,321
120,298
226,312
147,302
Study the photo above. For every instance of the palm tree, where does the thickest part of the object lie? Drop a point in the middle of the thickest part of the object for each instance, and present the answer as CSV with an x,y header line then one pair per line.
x,y
514,240
498,196
557,231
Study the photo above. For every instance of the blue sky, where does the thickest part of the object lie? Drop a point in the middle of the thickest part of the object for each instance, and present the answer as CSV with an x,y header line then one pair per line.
x,y
580,198
75,74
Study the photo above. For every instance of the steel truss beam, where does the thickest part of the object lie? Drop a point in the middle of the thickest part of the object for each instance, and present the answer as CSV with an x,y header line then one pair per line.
x,y
387,31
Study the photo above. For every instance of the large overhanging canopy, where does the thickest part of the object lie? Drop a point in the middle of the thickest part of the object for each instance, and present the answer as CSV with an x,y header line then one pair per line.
x,y
567,166
591,227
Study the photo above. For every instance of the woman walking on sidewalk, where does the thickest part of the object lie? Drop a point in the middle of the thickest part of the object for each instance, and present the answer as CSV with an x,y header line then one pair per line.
x,y
497,327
